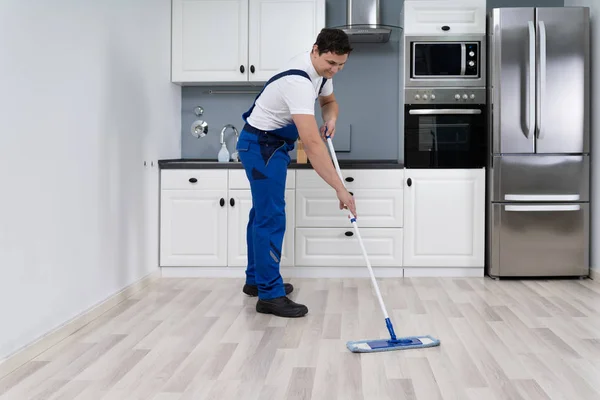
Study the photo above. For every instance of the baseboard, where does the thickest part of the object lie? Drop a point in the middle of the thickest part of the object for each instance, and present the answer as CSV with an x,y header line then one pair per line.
x,y
29,352
595,274
444,272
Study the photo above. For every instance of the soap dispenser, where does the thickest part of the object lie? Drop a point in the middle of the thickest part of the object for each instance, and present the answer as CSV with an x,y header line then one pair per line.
x,y
223,153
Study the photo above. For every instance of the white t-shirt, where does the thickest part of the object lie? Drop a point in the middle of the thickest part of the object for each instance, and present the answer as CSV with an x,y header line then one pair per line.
x,y
292,94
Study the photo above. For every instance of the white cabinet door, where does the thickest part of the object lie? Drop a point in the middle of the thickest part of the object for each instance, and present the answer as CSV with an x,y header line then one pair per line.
x,y
240,203
375,207
240,40
427,17
209,40
444,221
193,229
339,247
279,30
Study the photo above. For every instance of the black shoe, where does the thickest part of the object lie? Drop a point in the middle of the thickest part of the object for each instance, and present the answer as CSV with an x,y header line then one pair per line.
x,y
281,307
252,290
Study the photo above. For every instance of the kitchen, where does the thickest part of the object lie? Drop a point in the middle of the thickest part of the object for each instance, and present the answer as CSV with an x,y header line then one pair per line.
x,y
82,261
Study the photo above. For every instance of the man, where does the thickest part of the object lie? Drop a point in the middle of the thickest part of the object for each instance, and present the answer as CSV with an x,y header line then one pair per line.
x,y
282,112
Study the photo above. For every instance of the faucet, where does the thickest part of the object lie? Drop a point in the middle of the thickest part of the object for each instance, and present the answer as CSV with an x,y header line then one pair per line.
x,y
234,155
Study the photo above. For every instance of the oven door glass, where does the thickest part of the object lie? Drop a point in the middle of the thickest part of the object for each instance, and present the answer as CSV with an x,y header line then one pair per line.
x,y
444,136
437,59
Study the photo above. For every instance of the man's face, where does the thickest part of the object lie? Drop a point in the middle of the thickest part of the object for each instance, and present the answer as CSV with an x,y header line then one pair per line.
x,y
328,64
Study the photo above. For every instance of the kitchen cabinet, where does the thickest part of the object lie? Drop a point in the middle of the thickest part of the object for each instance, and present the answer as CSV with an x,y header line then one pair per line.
x,y
444,217
324,235
444,17
193,218
221,41
204,215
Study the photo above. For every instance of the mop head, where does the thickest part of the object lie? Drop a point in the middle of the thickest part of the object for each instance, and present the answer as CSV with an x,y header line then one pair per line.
x,y
404,343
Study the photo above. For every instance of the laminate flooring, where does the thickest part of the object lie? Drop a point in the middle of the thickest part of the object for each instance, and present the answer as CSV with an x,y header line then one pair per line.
x,y
181,339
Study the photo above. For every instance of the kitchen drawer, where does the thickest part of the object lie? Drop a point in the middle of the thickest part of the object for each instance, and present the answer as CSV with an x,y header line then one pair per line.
x,y
375,207
182,179
354,179
239,180
339,247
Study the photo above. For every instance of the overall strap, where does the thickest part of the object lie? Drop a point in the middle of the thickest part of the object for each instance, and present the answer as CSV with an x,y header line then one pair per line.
x,y
273,79
322,84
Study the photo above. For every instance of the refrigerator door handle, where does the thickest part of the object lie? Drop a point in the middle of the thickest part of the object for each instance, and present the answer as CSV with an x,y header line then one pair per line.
x,y
569,207
542,197
541,78
531,94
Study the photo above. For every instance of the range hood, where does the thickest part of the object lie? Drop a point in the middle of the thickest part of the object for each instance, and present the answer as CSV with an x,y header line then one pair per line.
x,y
363,22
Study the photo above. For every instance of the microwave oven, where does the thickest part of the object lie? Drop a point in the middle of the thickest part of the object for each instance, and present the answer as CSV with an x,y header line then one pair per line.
x,y
458,61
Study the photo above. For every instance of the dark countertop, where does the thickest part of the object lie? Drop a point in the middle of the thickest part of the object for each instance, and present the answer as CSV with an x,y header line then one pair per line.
x,y
193,163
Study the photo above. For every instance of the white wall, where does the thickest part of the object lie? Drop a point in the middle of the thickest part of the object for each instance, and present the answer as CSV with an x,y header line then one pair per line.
x,y
595,124
85,98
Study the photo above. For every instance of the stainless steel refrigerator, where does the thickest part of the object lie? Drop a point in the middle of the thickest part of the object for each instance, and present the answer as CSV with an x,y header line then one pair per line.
x,y
538,185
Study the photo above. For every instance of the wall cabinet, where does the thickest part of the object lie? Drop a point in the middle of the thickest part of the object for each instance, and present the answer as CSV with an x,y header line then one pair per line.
x,y
240,40
428,17
444,214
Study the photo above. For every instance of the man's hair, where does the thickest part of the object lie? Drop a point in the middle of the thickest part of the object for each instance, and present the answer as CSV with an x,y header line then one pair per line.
x,y
333,40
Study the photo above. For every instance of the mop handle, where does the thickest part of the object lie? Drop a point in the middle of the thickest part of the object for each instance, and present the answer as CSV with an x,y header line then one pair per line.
x,y
362,246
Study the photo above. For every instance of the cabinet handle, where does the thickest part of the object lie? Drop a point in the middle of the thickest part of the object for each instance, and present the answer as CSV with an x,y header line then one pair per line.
x,y
445,28
349,179
193,180
351,193
349,233
252,68
222,202
242,69
232,202
409,182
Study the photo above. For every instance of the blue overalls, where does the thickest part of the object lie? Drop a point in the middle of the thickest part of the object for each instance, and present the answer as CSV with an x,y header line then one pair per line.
x,y
264,155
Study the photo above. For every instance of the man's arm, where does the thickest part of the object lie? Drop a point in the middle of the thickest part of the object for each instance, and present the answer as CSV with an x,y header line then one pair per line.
x,y
316,150
319,157
329,111
329,107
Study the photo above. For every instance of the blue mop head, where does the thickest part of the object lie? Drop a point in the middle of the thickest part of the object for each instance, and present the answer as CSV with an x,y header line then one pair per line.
x,y
404,343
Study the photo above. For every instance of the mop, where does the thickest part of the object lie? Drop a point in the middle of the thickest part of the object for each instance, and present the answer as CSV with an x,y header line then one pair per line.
x,y
376,345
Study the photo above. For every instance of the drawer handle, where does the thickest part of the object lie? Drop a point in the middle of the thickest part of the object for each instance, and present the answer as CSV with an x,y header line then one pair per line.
x,y
222,202
232,202
193,180
349,233
349,179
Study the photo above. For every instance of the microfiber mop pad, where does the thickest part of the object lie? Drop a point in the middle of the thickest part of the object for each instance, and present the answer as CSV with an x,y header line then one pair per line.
x,y
409,342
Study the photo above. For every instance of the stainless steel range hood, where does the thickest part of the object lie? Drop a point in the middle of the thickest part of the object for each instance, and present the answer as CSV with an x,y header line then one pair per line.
x,y
363,22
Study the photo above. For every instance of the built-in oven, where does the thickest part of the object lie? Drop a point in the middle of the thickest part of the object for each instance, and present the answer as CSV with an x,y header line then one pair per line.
x,y
445,128
457,61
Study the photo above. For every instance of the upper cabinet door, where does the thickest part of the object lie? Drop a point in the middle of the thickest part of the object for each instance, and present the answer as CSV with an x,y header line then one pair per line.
x,y
444,17
279,30
210,41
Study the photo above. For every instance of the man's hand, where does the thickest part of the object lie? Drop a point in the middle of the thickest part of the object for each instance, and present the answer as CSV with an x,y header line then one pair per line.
x,y
346,201
328,128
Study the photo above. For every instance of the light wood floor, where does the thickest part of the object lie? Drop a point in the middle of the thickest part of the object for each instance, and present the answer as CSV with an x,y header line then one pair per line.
x,y
185,339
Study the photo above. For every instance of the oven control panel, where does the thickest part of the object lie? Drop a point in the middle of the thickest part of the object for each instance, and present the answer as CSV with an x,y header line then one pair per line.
x,y
444,95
